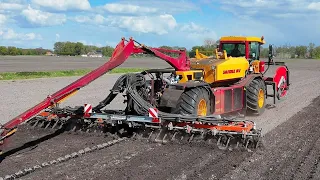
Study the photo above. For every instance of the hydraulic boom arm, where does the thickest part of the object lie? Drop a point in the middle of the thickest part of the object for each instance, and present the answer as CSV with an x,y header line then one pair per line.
x,y
120,54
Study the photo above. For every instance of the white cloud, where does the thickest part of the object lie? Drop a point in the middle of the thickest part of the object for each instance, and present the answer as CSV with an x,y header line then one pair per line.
x,y
81,19
8,10
197,33
10,34
3,19
41,18
159,24
57,37
10,6
252,4
96,19
128,8
137,7
314,6
63,5
90,43
31,36
270,8
99,19
272,18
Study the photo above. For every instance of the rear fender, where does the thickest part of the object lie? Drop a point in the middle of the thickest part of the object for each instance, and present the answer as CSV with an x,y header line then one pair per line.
x,y
279,82
282,75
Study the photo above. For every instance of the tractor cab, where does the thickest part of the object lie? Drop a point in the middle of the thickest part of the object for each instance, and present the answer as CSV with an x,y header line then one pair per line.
x,y
240,46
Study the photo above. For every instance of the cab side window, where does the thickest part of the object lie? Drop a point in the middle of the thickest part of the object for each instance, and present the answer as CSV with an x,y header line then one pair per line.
x,y
254,51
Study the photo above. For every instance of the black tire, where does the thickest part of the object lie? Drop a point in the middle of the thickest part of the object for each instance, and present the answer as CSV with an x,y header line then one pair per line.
x,y
253,90
190,99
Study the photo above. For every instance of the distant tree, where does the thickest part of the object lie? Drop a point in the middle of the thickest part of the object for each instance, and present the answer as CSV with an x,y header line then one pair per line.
x,y
316,52
58,47
12,51
209,43
264,52
78,48
311,50
200,48
301,51
3,50
107,51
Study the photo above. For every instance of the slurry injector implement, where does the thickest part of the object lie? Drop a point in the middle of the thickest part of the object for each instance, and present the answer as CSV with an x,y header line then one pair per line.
x,y
197,99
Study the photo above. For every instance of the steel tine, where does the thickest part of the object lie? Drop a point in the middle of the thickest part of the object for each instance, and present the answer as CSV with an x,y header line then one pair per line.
x,y
164,137
150,135
158,135
218,143
36,123
256,145
134,135
191,138
174,136
228,141
181,137
247,143
157,139
48,125
41,125
55,124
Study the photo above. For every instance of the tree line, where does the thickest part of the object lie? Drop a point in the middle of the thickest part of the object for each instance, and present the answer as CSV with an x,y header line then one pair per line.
x,y
208,48
302,51
78,48
14,51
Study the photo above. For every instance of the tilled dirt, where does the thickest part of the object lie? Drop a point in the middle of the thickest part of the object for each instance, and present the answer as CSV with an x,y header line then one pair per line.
x,y
290,151
54,63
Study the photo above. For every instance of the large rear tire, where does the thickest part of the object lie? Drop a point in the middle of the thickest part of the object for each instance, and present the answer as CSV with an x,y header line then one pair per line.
x,y
256,98
195,101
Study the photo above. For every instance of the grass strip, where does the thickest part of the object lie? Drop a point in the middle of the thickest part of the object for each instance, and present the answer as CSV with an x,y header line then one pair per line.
x,y
62,73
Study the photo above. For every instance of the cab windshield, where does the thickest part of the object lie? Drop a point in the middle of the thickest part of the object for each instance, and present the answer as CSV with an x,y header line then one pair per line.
x,y
234,49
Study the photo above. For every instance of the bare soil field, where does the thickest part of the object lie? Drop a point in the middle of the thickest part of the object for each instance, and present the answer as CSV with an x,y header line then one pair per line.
x,y
53,63
290,139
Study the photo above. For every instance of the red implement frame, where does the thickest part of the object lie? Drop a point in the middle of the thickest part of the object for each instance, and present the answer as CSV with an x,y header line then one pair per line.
x,y
120,54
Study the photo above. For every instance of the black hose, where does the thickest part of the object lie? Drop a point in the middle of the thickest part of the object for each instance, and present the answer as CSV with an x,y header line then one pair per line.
x,y
131,83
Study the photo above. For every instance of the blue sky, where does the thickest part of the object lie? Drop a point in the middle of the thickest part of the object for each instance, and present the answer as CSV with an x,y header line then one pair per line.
x,y
40,23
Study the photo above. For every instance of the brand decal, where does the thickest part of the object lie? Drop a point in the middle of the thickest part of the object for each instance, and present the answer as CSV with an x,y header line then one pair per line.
x,y
231,71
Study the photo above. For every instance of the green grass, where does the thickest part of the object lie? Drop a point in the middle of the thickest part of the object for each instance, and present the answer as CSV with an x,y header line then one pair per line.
x,y
66,73
126,70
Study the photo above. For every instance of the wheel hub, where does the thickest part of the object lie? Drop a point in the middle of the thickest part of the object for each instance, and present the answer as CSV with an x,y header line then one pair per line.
x,y
261,98
202,108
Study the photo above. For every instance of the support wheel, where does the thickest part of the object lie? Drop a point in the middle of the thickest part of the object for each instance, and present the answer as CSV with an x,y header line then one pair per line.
x,y
194,101
256,97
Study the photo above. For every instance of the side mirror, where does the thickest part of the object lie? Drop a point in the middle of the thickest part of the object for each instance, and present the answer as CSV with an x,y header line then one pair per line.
x,y
271,53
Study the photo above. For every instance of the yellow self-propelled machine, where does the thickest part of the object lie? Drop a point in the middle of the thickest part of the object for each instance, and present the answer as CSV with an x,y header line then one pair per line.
x,y
196,99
